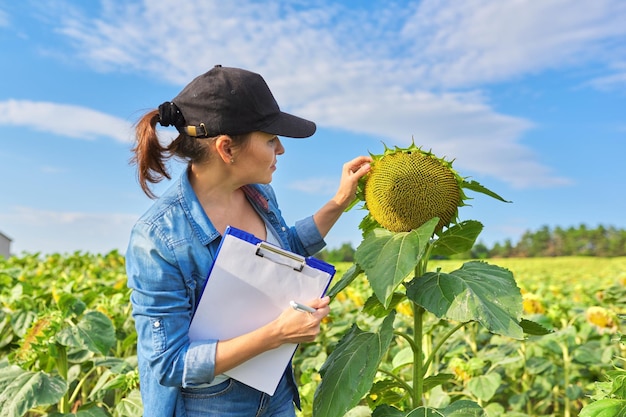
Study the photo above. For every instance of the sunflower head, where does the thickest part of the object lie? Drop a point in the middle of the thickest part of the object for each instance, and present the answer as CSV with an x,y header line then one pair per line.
x,y
406,187
600,317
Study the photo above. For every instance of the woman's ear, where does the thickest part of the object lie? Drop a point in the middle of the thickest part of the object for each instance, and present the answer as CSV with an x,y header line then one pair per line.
x,y
224,148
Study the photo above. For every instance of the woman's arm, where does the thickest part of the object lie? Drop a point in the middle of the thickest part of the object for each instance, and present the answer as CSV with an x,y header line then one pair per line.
x,y
161,305
162,314
290,327
352,171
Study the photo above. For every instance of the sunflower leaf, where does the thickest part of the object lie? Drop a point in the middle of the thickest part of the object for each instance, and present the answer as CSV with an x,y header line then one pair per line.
x,y
479,188
94,332
389,258
21,390
457,239
349,371
604,408
349,276
477,291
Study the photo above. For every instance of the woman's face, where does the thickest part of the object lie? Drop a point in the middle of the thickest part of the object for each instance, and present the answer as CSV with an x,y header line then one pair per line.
x,y
258,157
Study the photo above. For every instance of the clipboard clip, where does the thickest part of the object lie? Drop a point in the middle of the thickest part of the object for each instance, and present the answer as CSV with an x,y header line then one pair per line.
x,y
280,255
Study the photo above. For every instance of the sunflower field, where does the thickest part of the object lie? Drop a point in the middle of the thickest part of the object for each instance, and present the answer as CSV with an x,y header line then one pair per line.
x,y
67,342
580,300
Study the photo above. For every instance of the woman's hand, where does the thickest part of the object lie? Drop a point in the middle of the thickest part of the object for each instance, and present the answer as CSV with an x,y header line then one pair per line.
x,y
299,327
290,327
351,173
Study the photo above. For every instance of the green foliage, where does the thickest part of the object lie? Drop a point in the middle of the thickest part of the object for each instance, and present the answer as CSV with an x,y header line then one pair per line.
x,y
22,390
477,292
552,371
459,238
610,396
391,257
350,368
49,303
68,340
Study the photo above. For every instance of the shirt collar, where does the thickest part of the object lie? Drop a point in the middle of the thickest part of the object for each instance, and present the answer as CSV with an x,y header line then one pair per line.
x,y
195,212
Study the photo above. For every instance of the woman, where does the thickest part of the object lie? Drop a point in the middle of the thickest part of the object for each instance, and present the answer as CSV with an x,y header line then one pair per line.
x,y
228,124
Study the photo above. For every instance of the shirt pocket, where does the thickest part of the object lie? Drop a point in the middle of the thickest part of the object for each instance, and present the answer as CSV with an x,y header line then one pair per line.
x,y
159,338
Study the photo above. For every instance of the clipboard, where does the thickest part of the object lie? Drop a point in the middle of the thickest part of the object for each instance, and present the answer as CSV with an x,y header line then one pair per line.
x,y
250,283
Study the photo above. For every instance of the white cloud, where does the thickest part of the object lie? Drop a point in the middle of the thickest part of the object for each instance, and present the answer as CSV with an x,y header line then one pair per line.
x,y
484,41
398,71
66,232
425,43
452,125
615,80
63,119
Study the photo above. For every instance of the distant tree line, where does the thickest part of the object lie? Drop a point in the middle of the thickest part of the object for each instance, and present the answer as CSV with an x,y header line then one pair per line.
x,y
573,241
605,241
345,253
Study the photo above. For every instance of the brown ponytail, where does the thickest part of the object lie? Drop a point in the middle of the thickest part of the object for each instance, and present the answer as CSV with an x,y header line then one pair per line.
x,y
149,154
151,157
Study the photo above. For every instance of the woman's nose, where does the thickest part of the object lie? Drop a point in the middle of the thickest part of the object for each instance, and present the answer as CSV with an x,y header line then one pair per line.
x,y
280,149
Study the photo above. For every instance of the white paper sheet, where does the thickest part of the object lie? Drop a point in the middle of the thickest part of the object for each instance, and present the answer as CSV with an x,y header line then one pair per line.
x,y
246,291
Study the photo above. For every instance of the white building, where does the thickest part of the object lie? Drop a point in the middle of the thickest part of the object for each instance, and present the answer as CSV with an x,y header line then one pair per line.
x,y
5,245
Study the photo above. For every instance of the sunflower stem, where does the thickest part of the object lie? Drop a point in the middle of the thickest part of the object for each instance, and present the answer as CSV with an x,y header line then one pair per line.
x,y
419,370
418,355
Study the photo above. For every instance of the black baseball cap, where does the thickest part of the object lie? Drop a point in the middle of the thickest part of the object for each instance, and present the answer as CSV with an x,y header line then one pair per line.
x,y
234,101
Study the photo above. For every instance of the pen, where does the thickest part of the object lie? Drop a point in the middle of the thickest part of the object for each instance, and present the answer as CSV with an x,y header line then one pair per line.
x,y
302,307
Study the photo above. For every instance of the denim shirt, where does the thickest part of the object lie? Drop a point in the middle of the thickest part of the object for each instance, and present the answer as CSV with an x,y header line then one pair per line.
x,y
171,250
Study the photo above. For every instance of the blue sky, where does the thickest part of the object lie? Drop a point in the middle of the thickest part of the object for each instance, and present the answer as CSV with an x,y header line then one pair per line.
x,y
527,97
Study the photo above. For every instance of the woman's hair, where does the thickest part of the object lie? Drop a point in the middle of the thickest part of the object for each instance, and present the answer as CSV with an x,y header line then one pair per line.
x,y
151,156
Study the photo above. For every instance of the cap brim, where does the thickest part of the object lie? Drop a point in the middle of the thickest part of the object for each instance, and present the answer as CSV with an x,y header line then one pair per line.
x,y
290,126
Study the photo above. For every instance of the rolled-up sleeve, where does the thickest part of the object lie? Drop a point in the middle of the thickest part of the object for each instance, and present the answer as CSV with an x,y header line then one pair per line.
x,y
309,235
197,367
